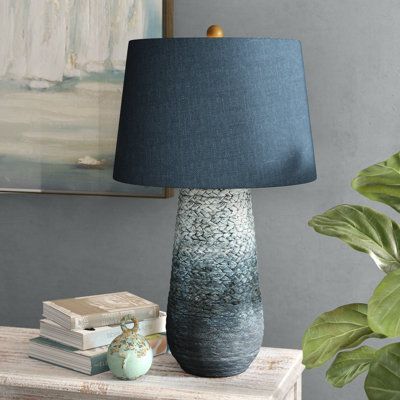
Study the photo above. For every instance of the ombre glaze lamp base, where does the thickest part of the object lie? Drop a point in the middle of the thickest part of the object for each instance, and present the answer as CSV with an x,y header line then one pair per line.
x,y
215,117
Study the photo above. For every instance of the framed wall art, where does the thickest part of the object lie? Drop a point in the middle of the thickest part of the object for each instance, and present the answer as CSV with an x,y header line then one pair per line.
x,y
61,75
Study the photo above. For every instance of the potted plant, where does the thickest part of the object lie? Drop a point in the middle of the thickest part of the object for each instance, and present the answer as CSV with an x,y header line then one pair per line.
x,y
341,331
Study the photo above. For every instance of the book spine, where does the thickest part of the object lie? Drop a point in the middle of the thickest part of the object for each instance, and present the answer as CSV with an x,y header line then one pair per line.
x,y
103,319
154,325
99,364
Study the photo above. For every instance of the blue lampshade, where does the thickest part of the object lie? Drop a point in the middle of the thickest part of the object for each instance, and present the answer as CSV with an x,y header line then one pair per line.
x,y
214,113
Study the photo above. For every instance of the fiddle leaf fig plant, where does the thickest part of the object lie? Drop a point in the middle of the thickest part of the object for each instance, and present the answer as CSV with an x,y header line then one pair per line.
x,y
384,306
380,182
349,364
348,326
364,229
383,379
342,328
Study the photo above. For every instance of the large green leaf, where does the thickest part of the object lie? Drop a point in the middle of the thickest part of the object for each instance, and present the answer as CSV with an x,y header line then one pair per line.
x,y
383,379
364,229
381,182
384,306
349,364
341,328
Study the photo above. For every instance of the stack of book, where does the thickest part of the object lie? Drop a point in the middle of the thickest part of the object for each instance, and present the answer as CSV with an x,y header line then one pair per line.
x,y
75,333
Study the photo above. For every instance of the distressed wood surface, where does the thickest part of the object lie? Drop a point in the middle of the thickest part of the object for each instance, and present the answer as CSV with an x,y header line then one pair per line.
x,y
274,375
295,392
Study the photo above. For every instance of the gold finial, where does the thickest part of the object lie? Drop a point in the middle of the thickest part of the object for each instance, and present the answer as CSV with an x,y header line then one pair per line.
x,y
215,31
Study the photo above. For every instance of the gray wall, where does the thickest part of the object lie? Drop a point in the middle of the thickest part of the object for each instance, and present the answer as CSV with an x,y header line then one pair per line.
x,y
56,246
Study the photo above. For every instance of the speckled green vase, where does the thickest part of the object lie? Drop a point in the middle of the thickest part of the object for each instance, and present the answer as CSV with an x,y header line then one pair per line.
x,y
129,355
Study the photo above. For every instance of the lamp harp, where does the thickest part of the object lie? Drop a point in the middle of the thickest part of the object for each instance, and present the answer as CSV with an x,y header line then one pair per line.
x,y
215,317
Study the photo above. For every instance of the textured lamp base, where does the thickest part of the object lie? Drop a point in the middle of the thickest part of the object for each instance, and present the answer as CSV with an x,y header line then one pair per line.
x,y
215,318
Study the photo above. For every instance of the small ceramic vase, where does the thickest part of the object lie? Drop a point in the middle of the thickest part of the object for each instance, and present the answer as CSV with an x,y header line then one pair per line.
x,y
129,354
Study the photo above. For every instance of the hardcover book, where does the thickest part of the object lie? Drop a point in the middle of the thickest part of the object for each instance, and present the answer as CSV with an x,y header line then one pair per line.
x,y
90,362
89,338
99,310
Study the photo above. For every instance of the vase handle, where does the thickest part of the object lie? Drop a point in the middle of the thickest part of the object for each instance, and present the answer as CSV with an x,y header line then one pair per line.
x,y
126,320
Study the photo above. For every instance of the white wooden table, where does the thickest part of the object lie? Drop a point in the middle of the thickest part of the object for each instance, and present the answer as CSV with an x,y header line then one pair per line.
x,y
274,375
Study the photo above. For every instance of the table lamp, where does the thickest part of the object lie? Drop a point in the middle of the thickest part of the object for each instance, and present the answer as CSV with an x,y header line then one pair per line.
x,y
214,117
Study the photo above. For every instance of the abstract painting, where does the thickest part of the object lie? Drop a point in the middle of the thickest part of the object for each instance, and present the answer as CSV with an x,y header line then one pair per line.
x,y
61,75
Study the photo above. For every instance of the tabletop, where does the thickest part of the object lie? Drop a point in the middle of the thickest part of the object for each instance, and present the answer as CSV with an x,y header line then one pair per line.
x,y
274,375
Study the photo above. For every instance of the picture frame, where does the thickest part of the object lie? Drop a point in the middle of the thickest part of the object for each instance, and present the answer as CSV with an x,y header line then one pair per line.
x,y
43,147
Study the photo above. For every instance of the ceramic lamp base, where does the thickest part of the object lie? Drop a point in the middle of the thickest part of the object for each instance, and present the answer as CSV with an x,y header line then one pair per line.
x,y
215,317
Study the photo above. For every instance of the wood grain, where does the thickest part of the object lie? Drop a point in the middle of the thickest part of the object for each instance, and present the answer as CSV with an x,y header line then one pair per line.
x,y
274,375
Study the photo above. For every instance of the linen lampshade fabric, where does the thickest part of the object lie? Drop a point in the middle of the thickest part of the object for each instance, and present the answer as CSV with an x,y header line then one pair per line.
x,y
214,113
